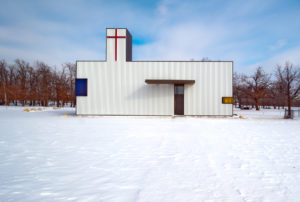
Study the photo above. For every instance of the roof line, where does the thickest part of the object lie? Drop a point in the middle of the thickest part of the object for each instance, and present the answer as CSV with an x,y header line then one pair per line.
x,y
158,61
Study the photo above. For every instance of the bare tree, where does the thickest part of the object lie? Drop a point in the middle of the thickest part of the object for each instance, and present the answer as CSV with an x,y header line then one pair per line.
x,y
22,83
22,80
71,74
44,83
204,59
12,87
275,93
32,84
288,80
238,88
60,81
257,85
3,81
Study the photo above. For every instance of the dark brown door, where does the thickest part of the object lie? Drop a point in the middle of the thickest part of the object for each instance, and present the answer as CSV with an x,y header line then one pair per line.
x,y
179,99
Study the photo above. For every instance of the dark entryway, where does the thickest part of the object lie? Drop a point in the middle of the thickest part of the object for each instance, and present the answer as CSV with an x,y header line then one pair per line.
x,y
179,99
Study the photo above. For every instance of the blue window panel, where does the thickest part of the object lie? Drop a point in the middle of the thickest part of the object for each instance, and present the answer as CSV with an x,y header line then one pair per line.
x,y
81,87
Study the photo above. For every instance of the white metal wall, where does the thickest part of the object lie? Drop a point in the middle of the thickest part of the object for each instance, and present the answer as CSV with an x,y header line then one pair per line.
x,y
119,88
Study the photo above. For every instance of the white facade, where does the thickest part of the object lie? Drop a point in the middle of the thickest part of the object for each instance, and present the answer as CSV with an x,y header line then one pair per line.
x,y
117,86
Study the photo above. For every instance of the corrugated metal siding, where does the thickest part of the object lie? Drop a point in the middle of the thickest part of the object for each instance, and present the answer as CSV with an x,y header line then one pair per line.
x,y
119,88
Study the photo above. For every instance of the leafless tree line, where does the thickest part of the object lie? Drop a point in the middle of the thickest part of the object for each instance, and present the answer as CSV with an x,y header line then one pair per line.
x,y
36,85
40,84
280,89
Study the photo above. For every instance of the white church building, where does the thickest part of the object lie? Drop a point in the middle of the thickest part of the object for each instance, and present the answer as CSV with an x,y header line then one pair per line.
x,y
120,86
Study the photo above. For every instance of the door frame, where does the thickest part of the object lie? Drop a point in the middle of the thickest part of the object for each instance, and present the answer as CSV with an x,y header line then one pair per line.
x,y
178,96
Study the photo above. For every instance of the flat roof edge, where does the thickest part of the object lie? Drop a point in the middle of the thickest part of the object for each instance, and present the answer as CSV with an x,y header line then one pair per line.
x,y
157,61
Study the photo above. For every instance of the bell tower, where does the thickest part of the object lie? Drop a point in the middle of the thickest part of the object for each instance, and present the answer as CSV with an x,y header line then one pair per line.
x,y
118,45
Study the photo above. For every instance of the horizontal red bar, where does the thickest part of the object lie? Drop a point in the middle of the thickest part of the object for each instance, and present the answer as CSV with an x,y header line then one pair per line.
x,y
116,37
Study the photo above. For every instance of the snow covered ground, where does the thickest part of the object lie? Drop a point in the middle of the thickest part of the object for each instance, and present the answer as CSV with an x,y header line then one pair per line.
x,y
48,156
261,114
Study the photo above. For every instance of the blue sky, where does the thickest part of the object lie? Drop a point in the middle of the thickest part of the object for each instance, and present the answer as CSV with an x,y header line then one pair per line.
x,y
251,33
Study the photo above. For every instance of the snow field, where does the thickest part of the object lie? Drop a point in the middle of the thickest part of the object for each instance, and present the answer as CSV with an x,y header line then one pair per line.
x,y
46,156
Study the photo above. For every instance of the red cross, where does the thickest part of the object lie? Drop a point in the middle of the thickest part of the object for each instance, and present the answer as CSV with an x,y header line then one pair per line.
x,y
116,37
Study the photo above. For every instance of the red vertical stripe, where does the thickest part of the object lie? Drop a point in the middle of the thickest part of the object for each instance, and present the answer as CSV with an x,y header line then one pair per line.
x,y
116,45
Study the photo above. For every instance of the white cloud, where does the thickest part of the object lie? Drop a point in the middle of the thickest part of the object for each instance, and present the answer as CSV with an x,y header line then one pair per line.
x,y
45,45
184,42
162,9
279,44
179,30
291,55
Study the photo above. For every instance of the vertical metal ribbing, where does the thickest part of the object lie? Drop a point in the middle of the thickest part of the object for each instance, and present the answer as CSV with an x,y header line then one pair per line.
x,y
205,87
119,88
217,84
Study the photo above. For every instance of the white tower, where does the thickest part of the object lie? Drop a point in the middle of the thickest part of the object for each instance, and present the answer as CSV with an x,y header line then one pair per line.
x,y
119,45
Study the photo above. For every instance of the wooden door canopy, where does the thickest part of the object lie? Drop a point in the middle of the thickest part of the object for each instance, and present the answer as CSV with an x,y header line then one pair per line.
x,y
168,81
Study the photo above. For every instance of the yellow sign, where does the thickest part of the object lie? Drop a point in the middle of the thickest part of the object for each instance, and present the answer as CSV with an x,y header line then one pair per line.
x,y
227,100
